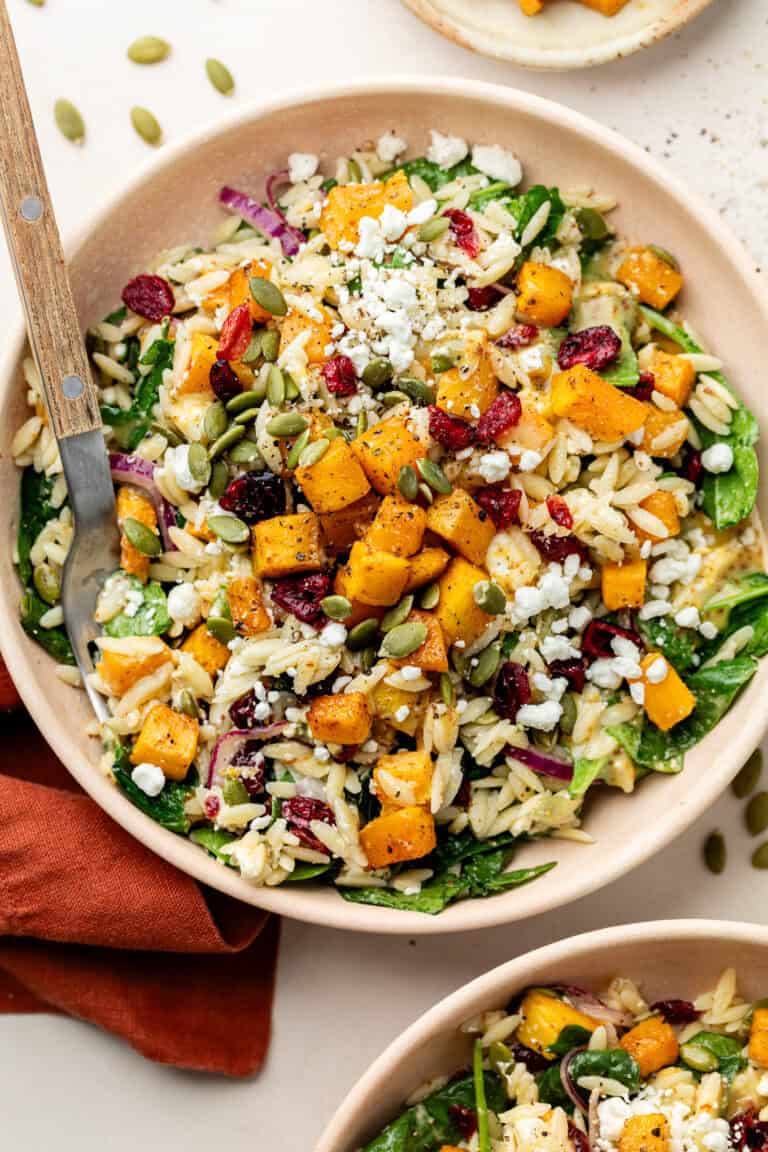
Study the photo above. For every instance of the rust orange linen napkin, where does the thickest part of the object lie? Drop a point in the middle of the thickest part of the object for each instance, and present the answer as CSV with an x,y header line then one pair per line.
x,y
94,925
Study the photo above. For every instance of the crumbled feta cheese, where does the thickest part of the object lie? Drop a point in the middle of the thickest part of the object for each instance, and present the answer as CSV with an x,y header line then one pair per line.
x,y
498,163
529,460
688,617
184,605
578,618
389,147
392,222
410,672
149,778
718,458
494,467
262,710
321,753
621,646
134,598
301,166
543,717
557,648
333,635
446,151
370,245
654,608
656,672
177,459
708,630
637,692
559,626
571,565
603,673
422,212
402,713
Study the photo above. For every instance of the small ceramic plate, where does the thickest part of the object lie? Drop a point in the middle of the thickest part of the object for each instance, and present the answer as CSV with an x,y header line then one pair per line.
x,y
565,35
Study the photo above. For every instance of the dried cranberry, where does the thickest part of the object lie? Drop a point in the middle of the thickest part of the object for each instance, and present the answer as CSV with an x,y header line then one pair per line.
x,y
503,414
254,496
643,390
596,641
676,1011
556,547
300,811
559,511
597,347
574,671
512,690
465,1120
748,1132
250,758
481,299
692,467
242,712
211,806
464,794
236,333
463,231
501,504
149,296
579,1139
224,381
340,376
449,431
519,336
301,595
533,1061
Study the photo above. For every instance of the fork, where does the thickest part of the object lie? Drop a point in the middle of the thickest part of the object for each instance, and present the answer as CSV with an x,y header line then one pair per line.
x,y
57,346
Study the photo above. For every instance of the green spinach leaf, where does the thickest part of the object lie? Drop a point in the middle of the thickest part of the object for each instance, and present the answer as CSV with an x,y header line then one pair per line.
x,y
428,1125
432,174
132,424
167,809
585,772
572,1036
524,207
678,645
34,513
624,373
613,1064
54,640
150,618
213,840
752,586
727,1049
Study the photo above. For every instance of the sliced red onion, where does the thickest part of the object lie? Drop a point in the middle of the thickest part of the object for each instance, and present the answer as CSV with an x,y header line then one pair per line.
x,y
130,469
542,763
265,219
587,1002
227,747
505,291
276,180
567,1080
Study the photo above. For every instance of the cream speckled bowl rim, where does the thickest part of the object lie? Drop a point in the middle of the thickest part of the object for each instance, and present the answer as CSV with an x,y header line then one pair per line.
x,y
559,59
595,869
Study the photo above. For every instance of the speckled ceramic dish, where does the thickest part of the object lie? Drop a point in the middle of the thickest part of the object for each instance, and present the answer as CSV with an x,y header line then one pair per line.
x,y
565,35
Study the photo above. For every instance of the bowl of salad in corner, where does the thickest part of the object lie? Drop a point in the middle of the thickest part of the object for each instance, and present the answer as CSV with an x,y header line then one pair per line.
x,y
639,1038
442,574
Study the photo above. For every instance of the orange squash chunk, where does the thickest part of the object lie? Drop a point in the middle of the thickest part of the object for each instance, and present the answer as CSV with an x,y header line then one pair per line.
x,y
348,203
543,1019
203,353
651,278
758,1037
342,718
605,412
319,333
375,577
121,670
284,545
544,295
246,603
459,615
624,584
343,527
239,289
410,778
134,505
398,528
674,376
360,611
384,449
425,567
658,440
335,480
209,652
652,1043
462,523
431,656
469,388
403,834
645,1134
605,7
669,700
662,505
167,739
530,8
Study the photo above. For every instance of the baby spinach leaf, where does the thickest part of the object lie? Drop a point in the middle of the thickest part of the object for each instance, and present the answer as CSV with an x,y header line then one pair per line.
x,y
150,618
613,1064
432,174
585,772
572,1036
213,840
54,640
167,809
752,586
727,1049
624,373
678,645
429,1125
132,424
34,513
754,615
496,191
523,208
304,872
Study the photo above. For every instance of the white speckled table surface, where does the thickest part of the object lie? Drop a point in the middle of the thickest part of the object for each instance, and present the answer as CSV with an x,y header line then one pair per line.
x,y
700,101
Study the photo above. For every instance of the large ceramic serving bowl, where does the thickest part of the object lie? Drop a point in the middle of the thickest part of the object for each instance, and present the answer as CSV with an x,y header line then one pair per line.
x,y
175,201
670,959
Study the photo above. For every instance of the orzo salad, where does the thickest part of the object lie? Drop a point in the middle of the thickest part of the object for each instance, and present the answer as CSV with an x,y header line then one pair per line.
x,y
434,518
563,1070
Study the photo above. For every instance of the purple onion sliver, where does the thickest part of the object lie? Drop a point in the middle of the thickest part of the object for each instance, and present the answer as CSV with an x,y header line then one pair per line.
x,y
263,218
542,763
567,1081
276,180
129,469
591,1005
228,745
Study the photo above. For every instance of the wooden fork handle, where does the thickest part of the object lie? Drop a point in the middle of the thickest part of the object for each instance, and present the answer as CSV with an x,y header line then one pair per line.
x,y
35,246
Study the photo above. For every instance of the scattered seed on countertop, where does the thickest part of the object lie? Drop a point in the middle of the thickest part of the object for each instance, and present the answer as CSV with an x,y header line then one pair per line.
x,y
760,856
220,76
746,781
148,50
146,125
715,854
69,121
756,814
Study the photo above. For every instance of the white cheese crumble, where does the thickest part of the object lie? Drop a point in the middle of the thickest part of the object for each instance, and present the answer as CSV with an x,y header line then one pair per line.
x,y
177,459
688,617
149,778
708,630
301,166
498,163
529,460
402,713
422,212
637,692
333,635
410,672
544,717
389,147
446,151
184,605
494,467
718,458
656,672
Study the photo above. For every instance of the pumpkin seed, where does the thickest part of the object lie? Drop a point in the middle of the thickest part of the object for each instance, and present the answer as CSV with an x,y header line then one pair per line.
x,y
37,3
291,387
47,583
286,424
162,430
270,344
756,814
148,50
489,597
362,634
715,854
332,434
434,475
442,361
592,224
221,629
746,780
433,228
255,349
487,665
231,437
275,386
446,689
314,452
69,121
354,172
430,597
220,76
699,1058
246,417
664,255
235,792
368,658
146,125
219,479
392,399
143,539
499,1057
417,391
268,296
362,424
199,464
397,615
188,704
230,529
568,715
426,492
215,421
336,607
408,482
243,401
377,373
403,640
760,856
299,445
459,661
246,454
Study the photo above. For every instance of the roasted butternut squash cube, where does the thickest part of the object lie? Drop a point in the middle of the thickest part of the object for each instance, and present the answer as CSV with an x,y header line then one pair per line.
x,y
375,577
347,204
605,7
431,656
758,1037
398,528
209,652
403,834
239,289
531,7
668,700
319,333
335,480
343,718
384,449
624,584
605,412
390,704
341,528
469,388
167,739
674,376
653,280
663,506
533,431
645,1134
285,545
126,660
202,357
134,505
544,294
543,1018
404,779
462,523
652,1043
425,567
246,603
360,611
459,616
665,432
